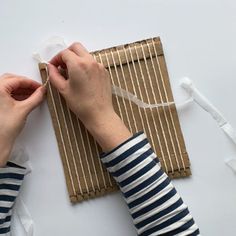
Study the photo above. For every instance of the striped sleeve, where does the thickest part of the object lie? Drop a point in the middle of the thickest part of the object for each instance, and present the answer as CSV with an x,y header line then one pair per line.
x,y
11,178
153,202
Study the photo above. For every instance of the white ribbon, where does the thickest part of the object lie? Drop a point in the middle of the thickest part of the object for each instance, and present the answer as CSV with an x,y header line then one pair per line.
x,y
203,102
127,95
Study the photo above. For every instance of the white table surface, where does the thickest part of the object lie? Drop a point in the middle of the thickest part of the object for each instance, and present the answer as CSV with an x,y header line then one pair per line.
x,y
199,39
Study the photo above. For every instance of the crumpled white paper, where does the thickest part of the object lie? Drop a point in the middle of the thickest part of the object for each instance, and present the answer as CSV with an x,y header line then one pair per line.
x,y
49,48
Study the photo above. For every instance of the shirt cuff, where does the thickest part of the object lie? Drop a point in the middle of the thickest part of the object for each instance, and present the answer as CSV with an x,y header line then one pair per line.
x,y
135,148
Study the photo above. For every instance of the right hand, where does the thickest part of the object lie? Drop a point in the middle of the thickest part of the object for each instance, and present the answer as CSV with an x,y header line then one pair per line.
x,y
87,90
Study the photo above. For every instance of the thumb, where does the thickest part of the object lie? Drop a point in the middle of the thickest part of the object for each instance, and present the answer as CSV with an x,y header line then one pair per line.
x,y
34,100
57,80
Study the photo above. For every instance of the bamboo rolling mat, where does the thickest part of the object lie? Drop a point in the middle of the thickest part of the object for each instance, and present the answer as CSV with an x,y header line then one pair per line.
x,y
139,68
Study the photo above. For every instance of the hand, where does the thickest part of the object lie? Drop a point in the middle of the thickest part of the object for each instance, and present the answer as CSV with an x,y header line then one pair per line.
x,y
87,92
88,89
18,97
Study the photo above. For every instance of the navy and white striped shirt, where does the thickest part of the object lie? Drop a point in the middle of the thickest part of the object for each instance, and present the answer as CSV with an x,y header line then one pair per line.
x,y
154,204
11,178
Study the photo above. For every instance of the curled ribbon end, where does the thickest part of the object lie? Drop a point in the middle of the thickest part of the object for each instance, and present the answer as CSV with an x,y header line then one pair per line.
x,y
186,83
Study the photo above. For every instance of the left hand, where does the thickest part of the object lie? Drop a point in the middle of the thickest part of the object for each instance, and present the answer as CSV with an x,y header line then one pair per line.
x,y
18,97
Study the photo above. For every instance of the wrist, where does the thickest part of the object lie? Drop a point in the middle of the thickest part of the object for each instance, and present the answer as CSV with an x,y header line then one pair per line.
x,y
109,131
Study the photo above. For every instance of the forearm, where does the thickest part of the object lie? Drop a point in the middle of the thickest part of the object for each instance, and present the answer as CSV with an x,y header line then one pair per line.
x,y
109,131
154,204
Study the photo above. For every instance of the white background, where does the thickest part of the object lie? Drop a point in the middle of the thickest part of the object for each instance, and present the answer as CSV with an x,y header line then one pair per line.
x,y
199,39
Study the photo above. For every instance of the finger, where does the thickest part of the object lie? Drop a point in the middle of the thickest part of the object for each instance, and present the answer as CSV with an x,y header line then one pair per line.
x,y
23,91
19,97
34,100
63,72
79,50
19,82
22,94
64,58
7,75
55,77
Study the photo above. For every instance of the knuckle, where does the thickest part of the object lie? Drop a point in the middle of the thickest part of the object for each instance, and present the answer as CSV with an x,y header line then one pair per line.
x,y
64,53
89,64
66,57
76,45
